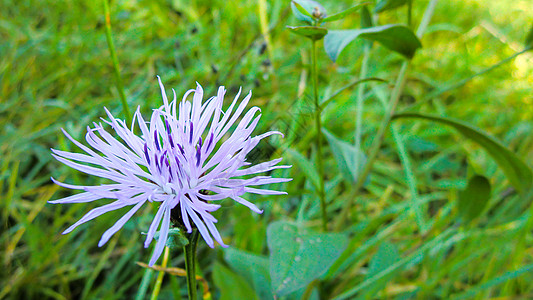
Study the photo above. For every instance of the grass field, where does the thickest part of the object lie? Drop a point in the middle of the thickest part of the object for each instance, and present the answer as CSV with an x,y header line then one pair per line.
x,y
406,235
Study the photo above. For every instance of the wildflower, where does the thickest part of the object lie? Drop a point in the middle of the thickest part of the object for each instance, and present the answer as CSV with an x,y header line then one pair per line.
x,y
185,159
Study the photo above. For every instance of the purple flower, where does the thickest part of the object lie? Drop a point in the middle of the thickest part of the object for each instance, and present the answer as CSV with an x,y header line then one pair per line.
x,y
185,158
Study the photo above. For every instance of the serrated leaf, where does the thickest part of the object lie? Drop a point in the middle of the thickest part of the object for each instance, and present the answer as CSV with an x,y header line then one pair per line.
x,y
303,10
176,238
299,256
344,13
397,38
231,285
383,5
312,32
305,166
518,173
254,268
345,156
474,198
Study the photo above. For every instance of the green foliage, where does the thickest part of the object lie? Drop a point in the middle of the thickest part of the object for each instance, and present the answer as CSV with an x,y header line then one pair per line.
x,y
386,256
529,39
303,10
311,32
56,72
397,38
254,268
344,13
383,5
518,173
305,166
473,200
231,285
299,256
176,238
345,155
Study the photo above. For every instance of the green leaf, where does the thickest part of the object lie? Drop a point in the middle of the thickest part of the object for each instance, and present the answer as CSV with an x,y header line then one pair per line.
x,y
518,173
312,32
345,154
299,256
176,238
344,13
386,256
474,198
303,10
366,18
252,267
298,10
529,39
397,38
231,285
383,5
305,166
420,145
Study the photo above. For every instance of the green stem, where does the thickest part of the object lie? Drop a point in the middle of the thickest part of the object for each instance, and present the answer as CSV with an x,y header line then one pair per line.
x,y
190,264
113,53
318,125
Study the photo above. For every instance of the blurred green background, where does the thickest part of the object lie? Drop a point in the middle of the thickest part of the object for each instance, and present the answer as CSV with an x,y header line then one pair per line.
x,y
56,72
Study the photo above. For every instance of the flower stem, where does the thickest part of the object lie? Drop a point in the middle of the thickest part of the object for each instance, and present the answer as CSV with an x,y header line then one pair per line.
x,y
318,125
114,58
190,264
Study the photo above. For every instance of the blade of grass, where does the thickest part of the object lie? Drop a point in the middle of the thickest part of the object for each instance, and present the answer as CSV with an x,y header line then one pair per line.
x,y
411,180
114,58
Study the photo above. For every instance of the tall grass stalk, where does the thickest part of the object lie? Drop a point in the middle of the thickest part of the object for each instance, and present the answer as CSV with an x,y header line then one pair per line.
x,y
111,46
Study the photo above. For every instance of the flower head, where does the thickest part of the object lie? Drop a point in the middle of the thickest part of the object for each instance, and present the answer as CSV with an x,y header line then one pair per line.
x,y
186,158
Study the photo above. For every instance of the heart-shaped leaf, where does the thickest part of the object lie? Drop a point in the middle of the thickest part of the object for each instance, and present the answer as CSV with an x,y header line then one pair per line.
x,y
516,171
474,198
312,32
397,38
299,256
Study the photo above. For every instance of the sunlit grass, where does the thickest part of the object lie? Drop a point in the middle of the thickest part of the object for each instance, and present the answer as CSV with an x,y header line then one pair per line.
x,y
55,72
